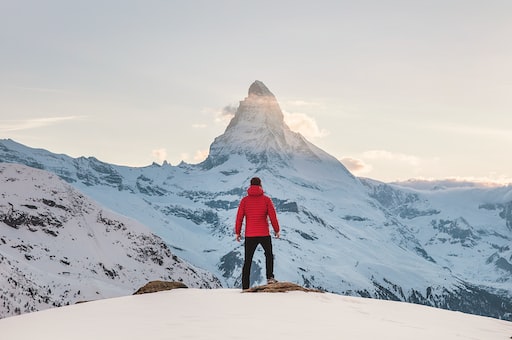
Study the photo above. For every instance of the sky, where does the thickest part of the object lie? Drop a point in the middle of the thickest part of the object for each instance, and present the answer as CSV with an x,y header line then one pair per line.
x,y
394,89
230,314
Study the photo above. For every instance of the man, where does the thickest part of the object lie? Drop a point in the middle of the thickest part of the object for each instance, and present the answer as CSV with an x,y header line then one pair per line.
x,y
256,207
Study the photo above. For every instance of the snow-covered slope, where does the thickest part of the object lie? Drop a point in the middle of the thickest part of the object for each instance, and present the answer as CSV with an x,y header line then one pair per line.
x,y
59,247
229,314
259,134
468,230
445,248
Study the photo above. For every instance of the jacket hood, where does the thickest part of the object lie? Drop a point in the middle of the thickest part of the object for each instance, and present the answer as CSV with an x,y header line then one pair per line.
x,y
255,190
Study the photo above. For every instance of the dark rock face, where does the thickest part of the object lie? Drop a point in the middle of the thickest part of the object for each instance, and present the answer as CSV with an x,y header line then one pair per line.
x,y
259,89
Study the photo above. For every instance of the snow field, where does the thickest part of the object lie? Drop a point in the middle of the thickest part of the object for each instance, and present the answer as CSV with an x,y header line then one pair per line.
x,y
231,314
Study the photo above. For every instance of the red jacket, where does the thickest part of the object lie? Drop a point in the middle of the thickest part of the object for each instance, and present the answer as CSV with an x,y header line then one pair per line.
x,y
256,207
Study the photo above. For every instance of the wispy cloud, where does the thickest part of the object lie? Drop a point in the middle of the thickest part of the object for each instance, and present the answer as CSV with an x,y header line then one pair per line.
x,y
391,156
490,181
225,115
220,116
384,161
304,103
356,166
376,160
199,156
304,124
34,123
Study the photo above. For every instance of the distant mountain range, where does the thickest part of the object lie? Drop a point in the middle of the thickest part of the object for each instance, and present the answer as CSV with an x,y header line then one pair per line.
x,y
448,248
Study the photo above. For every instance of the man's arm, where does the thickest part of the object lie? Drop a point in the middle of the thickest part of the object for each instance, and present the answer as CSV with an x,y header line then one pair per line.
x,y
239,219
273,218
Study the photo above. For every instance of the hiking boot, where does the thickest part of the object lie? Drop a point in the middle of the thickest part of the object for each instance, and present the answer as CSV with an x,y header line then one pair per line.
x,y
271,280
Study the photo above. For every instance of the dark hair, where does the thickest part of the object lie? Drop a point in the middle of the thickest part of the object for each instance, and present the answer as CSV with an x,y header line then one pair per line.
x,y
256,181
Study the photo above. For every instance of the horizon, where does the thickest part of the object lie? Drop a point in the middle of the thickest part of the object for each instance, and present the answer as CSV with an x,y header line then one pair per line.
x,y
394,91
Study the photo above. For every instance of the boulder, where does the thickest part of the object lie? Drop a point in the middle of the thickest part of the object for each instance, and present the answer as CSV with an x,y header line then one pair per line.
x,y
158,286
280,287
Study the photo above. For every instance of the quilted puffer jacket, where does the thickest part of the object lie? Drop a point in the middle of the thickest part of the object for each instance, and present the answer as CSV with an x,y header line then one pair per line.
x,y
257,208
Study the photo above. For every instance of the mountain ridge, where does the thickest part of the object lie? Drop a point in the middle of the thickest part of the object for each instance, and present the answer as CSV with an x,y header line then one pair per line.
x,y
58,247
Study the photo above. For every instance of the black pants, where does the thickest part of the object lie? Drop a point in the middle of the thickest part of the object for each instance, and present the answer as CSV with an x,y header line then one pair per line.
x,y
251,243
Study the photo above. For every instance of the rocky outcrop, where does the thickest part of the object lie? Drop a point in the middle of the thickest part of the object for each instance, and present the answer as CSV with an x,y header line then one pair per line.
x,y
158,286
280,287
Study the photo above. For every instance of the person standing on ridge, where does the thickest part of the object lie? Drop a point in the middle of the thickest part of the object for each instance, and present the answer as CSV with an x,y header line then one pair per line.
x,y
257,208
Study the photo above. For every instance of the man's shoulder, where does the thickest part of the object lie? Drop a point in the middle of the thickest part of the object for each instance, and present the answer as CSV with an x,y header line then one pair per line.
x,y
268,199
253,198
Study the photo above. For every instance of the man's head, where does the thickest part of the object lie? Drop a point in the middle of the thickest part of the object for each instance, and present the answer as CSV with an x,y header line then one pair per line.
x,y
256,181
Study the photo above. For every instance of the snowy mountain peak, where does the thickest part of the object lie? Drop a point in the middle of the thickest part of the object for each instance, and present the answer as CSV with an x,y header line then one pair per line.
x,y
259,89
258,112
259,133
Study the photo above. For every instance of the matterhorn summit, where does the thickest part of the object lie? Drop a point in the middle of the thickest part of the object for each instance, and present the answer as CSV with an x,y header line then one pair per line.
x,y
259,89
258,132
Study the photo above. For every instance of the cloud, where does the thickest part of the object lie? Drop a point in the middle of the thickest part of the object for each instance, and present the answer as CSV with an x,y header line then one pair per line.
x,y
159,154
391,156
356,166
220,116
402,165
304,124
387,162
298,122
34,123
303,103
199,156
226,114
490,181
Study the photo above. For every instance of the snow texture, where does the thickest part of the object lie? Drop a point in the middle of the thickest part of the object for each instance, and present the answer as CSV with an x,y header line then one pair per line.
x,y
230,314
58,247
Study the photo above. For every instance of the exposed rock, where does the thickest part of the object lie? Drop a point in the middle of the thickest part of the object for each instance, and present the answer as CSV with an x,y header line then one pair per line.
x,y
158,286
280,287
259,89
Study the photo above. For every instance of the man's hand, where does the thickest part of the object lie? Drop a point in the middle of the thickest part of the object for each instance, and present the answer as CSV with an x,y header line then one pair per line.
x,y
238,237
278,234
